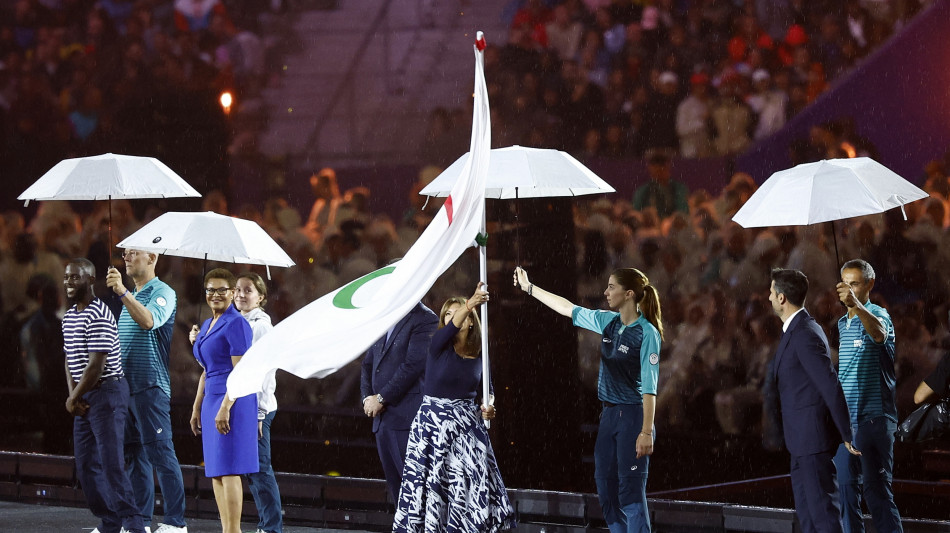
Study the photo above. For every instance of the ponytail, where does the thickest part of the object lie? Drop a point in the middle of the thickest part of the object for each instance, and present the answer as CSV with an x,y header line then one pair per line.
x,y
648,299
650,307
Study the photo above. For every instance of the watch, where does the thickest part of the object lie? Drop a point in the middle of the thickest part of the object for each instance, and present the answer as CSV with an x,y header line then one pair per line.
x,y
379,398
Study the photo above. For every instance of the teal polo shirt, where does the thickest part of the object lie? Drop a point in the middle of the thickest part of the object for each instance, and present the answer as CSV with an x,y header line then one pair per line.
x,y
145,351
629,355
866,368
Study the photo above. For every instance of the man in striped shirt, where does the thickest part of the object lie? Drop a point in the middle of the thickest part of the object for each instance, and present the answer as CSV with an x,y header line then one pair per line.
x,y
866,372
99,400
145,331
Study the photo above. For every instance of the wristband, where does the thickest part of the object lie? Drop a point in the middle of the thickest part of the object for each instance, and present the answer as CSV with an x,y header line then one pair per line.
x,y
126,293
530,288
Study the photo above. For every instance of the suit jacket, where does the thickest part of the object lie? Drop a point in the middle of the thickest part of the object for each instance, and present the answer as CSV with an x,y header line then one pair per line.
x,y
395,368
814,413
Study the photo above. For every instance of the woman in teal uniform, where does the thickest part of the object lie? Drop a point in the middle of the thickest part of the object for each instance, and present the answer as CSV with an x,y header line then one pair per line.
x,y
629,361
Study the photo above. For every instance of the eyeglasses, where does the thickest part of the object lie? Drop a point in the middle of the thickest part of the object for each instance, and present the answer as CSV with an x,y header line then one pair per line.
x,y
129,254
220,291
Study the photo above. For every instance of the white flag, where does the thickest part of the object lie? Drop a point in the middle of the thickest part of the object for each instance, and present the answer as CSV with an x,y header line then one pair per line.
x,y
330,332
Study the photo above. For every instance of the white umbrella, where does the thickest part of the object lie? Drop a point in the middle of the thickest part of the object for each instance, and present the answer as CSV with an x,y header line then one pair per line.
x,y
825,191
829,190
522,172
209,236
108,177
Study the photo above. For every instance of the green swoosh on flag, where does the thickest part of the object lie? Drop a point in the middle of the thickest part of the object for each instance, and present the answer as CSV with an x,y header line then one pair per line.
x,y
344,298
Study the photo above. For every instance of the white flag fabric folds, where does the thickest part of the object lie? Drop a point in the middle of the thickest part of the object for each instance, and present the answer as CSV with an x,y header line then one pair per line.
x,y
337,328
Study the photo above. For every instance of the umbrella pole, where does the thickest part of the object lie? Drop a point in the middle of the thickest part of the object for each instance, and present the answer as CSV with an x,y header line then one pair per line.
x,y
517,231
204,267
110,230
834,234
483,275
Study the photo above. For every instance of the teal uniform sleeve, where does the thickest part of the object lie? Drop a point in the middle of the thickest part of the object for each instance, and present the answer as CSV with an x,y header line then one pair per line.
x,y
884,317
649,360
161,305
594,320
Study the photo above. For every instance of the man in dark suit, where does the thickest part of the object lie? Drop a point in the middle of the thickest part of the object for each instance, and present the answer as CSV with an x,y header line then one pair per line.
x,y
813,410
391,385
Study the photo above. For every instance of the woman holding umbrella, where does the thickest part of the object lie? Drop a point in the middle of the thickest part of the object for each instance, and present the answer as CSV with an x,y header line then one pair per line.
x,y
250,295
630,354
450,481
230,450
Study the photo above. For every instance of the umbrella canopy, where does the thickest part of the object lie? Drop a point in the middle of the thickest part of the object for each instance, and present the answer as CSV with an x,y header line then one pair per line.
x,y
208,236
825,191
108,176
521,172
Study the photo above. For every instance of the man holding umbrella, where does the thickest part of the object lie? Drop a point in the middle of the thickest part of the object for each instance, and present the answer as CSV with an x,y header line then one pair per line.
x,y
866,372
145,333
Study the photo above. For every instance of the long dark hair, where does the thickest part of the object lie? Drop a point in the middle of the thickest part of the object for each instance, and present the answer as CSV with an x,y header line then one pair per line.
x,y
473,343
645,294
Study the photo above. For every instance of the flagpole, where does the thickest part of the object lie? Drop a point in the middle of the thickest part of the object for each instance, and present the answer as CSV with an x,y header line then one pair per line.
x,y
483,276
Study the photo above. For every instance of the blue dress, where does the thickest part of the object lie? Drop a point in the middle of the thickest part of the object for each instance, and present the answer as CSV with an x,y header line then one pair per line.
x,y
236,452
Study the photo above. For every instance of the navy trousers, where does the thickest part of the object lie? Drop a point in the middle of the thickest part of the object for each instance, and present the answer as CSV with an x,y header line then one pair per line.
x,y
391,445
263,484
869,475
100,460
149,451
816,492
621,478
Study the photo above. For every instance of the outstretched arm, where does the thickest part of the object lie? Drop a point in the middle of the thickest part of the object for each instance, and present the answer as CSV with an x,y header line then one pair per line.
x,y
560,305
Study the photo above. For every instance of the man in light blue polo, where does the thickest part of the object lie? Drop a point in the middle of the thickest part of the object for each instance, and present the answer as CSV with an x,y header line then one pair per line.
x,y
866,372
145,333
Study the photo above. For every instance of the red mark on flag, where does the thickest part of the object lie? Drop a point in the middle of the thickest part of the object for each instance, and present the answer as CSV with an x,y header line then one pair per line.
x,y
480,44
448,208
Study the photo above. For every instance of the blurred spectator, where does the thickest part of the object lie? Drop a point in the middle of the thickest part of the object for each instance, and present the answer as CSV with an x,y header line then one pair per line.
x,y
563,33
692,119
195,15
328,200
768,104
732,119
661,193
659,113
41,356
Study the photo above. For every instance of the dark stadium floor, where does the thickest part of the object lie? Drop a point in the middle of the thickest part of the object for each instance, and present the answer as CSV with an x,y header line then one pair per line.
x,y
29,518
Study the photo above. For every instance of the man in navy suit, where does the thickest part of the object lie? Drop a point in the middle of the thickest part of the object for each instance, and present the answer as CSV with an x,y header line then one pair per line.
x,y
814,414
391,385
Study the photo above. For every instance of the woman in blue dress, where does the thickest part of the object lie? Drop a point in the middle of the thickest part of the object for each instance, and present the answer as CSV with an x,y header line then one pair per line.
x,y
630,355
230,448
450,481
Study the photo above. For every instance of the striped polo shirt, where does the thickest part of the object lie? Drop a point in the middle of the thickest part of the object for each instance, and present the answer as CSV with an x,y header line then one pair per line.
x,y
866,368
91,330
145,352
629,355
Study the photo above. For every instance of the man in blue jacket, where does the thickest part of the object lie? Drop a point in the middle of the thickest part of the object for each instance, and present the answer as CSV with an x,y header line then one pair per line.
x,y
814,414
391,386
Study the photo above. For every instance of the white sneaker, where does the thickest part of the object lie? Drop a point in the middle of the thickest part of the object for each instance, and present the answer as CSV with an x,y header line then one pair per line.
x,y
123,530
168,528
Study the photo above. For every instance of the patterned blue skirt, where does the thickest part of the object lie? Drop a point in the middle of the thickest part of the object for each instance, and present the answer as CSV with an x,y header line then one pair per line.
x,y
451,481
